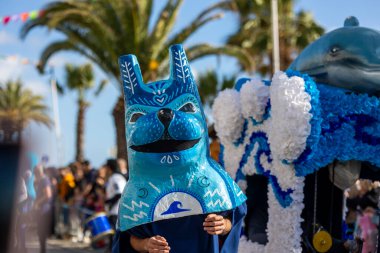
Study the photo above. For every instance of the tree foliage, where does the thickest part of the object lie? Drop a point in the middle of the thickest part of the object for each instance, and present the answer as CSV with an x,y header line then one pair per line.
x,y
104,30
19,107
296,31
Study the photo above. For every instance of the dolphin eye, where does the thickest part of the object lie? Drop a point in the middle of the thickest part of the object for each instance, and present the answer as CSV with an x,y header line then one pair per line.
x,y
135,117
334,50
188,107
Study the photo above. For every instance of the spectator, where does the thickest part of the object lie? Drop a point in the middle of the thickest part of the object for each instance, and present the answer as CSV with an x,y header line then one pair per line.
x,y
114,188
89,173
66,188
94,199
123,167
29,182
43,206
52,173
89,178
20,225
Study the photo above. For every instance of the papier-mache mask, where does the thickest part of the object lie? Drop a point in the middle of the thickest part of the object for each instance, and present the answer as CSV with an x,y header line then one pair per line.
x,y
171,172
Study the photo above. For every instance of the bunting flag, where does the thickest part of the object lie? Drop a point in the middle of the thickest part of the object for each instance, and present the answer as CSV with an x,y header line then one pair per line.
x,y
18,59
22,16
22,60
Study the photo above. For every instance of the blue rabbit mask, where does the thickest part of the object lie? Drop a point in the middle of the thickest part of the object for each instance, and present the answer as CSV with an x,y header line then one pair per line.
x,y
171,172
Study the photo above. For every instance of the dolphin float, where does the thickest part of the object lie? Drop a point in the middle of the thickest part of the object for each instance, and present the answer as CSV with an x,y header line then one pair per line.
x,y
348,57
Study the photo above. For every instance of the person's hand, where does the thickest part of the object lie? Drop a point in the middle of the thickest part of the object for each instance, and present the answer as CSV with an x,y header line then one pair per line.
x,y
216,225
156,244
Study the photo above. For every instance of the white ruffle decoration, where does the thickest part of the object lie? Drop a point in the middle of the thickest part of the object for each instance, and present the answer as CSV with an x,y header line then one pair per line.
x,y
227,115
283,228
284,224
246,246
290,117
254,97
231,163
287,129
242,184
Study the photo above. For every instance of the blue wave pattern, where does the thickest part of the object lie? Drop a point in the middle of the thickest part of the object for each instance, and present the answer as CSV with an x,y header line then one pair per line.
x,y
175,207
350,125
261,138
344,126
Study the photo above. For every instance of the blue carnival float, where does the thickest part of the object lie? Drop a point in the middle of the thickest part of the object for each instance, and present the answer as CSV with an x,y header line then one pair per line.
x,y
323,109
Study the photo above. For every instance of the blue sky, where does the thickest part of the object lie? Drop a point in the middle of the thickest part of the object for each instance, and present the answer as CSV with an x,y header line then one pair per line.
x,y
99,136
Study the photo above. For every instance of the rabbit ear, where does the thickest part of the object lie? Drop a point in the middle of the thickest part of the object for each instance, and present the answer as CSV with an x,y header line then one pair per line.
x,y
179,65
131,76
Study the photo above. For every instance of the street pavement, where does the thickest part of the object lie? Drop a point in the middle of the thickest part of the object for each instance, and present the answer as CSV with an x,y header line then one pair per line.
x,y
62,246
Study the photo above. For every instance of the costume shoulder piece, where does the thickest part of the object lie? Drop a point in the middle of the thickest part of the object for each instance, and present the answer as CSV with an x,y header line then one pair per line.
x,y
171,172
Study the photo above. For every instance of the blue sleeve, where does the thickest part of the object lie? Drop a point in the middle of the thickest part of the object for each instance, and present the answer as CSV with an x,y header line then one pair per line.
x,y
122,240
231,241
194,234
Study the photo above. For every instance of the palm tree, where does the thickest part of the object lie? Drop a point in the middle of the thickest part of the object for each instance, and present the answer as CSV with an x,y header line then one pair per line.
x,y
210,84
104,30
296,31
18,108
81,79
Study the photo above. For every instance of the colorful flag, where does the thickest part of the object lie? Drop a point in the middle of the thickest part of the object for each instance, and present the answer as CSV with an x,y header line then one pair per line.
x,y
24,16
33,14
15,18
6,19
25,61
41,13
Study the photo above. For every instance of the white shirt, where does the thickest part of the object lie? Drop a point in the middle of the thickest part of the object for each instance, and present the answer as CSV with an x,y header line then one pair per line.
x,y
115,185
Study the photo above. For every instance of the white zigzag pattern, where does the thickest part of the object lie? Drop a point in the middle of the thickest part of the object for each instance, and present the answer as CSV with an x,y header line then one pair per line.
x,y
134,204
135,216
183,72
128,76
212,194
218,202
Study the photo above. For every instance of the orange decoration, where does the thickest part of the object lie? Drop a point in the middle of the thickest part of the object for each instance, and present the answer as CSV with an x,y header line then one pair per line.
x,y
24,16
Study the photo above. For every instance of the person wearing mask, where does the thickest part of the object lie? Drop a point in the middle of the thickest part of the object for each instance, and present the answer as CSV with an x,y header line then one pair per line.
x,y
43,206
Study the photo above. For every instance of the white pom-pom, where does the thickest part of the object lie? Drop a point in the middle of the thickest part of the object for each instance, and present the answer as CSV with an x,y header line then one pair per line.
x,y
242,184
227,115
254,97
285,236
290,117
246,246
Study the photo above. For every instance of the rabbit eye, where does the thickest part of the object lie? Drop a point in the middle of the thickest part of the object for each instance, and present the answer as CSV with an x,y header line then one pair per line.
x,y
188,107
135,117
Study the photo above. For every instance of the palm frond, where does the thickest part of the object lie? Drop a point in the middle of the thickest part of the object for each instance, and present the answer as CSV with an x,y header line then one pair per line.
x,y
21,106
101,86
201,50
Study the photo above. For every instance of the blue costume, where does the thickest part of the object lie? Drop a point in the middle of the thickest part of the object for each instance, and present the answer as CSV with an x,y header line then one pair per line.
x,y
171,173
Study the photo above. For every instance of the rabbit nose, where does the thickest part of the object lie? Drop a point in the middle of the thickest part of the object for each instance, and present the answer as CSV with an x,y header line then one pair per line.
x,y
165,115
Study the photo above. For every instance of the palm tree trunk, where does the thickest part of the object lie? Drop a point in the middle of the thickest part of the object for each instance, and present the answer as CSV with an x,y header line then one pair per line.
x,y
79,154
118,114
10,128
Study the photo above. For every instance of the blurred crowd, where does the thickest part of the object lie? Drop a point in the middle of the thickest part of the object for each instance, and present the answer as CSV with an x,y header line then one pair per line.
x,y
56,202
362,216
